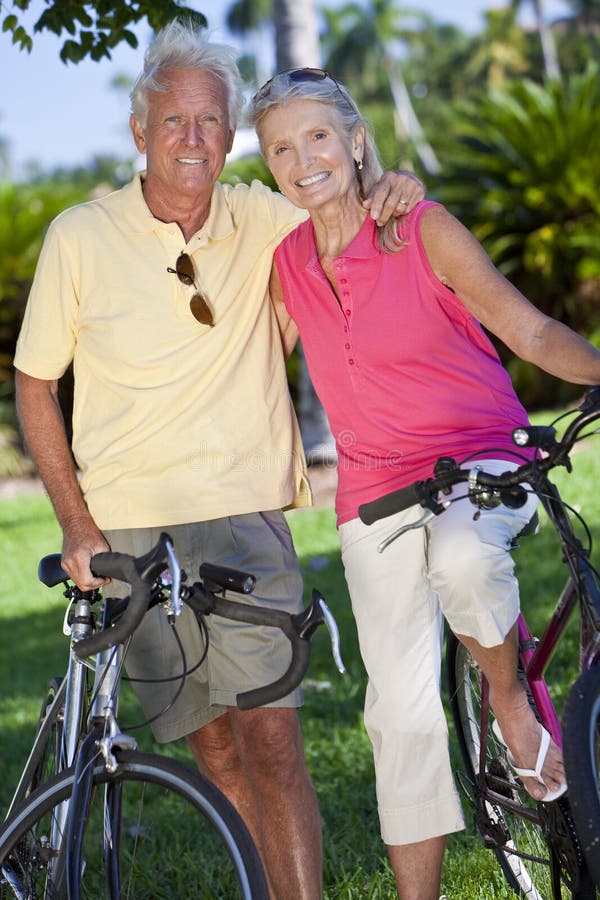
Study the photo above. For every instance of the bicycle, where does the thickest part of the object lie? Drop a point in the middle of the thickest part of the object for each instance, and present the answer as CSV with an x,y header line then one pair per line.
x,y
93,816
545,850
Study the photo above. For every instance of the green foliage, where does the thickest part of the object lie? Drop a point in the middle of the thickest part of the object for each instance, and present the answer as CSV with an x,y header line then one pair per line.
x,y
246,169
25,211
440,64
520,170
500,51
95,28
362,47
244,16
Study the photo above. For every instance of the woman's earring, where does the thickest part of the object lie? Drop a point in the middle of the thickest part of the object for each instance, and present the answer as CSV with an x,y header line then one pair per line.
x,y
358,164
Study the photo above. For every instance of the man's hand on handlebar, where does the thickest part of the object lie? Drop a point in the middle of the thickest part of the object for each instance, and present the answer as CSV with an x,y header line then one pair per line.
x,y
81,541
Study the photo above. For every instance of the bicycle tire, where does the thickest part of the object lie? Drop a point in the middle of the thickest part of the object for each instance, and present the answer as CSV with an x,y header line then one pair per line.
x,y
539,856
581,724
179,837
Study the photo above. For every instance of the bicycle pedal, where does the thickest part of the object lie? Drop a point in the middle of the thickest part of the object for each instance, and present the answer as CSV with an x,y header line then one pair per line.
x,y
493,834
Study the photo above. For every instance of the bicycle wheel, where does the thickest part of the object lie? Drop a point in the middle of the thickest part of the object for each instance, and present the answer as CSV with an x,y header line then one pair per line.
x,y
581,729
178,837
535,844
43,761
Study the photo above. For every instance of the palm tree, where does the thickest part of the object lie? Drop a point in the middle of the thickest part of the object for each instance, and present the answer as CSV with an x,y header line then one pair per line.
x,y
521,171
296,34
252,19
579,34
369,43
500,50
550,55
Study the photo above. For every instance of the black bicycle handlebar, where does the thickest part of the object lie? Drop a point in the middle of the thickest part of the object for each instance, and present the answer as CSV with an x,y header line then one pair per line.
x,y
141,574
391,503
506,486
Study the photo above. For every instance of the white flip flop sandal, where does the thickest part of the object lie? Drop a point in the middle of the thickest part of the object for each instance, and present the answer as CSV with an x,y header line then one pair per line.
x,y
539,763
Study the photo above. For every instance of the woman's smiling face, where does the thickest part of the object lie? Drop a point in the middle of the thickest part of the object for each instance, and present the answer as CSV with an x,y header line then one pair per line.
x,y
309,154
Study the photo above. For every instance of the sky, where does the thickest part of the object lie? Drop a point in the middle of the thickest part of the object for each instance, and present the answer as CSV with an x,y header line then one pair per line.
x,y
64,115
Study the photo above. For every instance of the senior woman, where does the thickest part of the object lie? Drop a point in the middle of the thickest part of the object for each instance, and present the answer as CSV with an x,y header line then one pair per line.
x,y
391,325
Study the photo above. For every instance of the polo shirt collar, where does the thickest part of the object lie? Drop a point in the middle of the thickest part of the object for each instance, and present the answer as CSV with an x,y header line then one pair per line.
x,y
219,224
364,245
140,220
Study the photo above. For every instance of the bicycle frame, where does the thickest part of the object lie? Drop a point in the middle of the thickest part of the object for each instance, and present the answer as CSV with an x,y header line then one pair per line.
x,y
581,591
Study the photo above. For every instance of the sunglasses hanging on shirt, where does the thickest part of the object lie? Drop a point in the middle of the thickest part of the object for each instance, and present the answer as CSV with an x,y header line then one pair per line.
x,y
184,269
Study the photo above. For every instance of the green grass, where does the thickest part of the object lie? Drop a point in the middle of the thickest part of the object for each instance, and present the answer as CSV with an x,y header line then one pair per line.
x,y
32,650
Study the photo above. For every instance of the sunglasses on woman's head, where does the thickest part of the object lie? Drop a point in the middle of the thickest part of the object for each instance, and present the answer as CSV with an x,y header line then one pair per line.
x,y
295,75
184,269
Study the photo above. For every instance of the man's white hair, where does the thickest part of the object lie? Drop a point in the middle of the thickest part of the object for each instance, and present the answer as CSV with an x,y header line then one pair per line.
x,y
184,44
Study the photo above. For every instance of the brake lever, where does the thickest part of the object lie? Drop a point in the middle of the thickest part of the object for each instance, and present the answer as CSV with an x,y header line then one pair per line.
x,y
175,603
427,516
318,613
334,633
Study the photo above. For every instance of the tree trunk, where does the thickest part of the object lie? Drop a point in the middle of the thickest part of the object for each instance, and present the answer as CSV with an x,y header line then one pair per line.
x,y
549,51
407,122
296,34
297,43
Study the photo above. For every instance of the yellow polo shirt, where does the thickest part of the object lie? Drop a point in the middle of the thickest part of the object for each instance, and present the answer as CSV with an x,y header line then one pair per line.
x,y
173,421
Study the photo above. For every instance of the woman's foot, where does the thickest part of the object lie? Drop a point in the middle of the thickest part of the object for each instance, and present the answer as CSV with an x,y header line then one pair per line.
x,y
523,736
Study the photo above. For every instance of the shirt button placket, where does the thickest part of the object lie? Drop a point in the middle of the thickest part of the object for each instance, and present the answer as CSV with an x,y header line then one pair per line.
x,y
346,301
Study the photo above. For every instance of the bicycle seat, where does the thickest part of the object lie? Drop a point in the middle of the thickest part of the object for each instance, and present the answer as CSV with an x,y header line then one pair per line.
x,y
50,570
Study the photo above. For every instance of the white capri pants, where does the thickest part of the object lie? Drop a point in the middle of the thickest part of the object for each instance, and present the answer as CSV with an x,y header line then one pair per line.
x,y
458,567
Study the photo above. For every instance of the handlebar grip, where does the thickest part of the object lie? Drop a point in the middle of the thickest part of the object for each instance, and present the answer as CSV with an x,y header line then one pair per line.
x,y
123,568
215,576
390,503
284,685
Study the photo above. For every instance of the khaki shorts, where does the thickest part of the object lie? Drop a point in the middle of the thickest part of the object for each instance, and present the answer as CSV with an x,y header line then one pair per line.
x,y
457,567
240,656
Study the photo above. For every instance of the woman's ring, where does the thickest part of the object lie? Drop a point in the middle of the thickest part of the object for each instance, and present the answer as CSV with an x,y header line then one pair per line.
x,y
403,201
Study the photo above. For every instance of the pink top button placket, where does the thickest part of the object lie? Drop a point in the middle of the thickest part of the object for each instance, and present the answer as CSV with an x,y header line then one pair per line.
x,y
345,303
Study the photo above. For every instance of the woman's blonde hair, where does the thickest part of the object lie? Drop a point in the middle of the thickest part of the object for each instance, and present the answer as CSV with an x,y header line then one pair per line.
x,y
316,84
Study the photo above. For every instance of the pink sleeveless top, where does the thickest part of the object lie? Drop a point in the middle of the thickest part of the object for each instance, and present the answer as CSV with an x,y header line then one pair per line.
x,y
403,370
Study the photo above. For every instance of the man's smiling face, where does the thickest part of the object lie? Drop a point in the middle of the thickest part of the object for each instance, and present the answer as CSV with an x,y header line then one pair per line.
x,y
187,135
